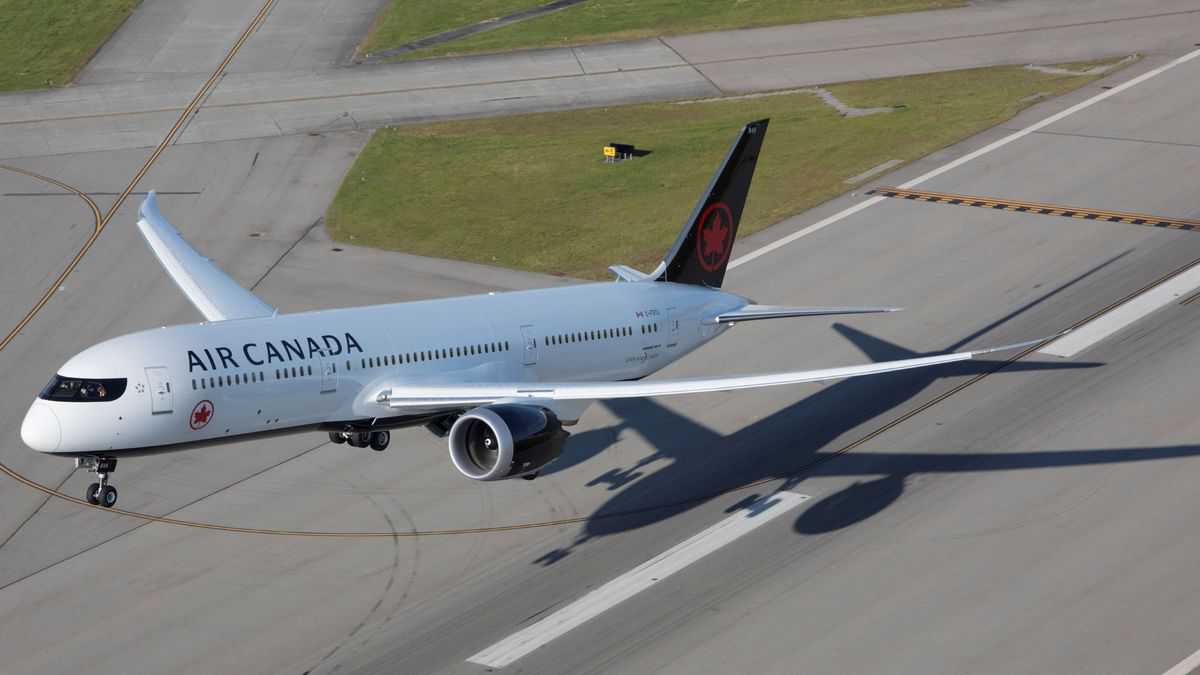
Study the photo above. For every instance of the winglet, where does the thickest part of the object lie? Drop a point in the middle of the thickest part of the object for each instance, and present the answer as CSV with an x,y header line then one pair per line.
x,y
211,290
1020,345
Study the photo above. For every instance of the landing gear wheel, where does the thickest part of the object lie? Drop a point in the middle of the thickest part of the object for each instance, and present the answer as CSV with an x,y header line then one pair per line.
x,y
337,437
359,439
380,440
99,494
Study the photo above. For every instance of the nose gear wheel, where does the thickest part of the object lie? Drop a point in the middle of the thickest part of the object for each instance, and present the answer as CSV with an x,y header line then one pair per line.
x,y
99,493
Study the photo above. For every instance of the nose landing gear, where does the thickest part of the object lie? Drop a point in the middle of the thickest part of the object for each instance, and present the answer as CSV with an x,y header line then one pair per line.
x,y
100,493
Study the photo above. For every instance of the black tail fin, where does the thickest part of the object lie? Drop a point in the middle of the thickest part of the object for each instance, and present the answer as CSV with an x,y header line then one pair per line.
x,y
703,248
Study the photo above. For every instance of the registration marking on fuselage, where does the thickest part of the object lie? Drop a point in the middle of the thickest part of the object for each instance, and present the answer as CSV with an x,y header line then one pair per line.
x,y
755,515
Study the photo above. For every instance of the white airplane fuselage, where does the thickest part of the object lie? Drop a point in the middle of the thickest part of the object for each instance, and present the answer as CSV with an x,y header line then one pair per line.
x,y
201,383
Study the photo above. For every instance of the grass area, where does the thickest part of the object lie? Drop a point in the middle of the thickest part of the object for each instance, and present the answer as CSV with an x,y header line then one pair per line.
x,y
605,20
531,191
46,42
404,21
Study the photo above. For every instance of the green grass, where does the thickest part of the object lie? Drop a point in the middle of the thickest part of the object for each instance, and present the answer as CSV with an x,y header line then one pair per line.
x,y
605,20
532,192
46,42
404,21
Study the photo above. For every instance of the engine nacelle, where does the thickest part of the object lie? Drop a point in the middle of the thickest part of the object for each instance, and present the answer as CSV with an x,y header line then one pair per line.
x,y
505,441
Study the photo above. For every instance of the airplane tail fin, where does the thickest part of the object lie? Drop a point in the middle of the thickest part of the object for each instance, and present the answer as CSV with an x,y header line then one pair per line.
x,y
702,251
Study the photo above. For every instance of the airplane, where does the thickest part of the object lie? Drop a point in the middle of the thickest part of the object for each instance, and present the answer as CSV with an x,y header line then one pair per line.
x,y
498,375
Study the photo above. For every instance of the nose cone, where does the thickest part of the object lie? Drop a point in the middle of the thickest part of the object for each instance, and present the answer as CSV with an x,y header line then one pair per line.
x,y
41,430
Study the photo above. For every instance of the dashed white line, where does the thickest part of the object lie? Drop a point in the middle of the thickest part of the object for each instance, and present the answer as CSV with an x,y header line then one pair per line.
x,y
1017,135
638,579
1186,666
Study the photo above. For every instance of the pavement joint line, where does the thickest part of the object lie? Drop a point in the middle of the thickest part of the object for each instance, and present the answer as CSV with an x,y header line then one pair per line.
x,y
950,38
693,66
143,523
1097,137
995,145
675,559
353,94
45,499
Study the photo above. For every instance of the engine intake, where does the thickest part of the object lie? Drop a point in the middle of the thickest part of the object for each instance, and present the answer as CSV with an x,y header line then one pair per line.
x,y
505,441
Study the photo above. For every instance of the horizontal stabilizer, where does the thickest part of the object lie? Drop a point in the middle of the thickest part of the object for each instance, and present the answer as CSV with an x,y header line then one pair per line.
x,y
211,290
757,312
627,273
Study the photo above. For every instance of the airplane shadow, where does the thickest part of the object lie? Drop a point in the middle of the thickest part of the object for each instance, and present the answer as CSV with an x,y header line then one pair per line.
x,y
700,464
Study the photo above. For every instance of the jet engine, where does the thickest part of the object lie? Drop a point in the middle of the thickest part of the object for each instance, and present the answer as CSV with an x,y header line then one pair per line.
x,y
505,441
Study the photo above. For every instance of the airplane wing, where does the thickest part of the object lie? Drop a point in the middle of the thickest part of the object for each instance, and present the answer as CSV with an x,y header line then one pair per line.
x,y
756,312
450,396
211,290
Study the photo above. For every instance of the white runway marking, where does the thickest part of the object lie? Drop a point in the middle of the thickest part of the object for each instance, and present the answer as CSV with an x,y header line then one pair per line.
x,y
1106,324
1017,135
1186,666
638,579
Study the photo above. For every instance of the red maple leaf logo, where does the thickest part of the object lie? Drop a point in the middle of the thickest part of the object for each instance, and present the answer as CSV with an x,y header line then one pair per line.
x,y
201,414
715,236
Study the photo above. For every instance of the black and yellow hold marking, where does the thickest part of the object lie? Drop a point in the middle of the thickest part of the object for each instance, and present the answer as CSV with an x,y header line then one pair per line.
x,y
1038,208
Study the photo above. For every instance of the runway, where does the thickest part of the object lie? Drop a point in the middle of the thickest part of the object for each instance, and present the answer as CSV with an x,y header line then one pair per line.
x,y
1034,521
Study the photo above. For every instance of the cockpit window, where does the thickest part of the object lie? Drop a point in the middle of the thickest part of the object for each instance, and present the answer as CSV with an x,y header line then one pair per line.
x,y
74,389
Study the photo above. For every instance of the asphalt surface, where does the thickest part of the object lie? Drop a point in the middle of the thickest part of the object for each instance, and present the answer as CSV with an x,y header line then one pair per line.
x,y
1036,521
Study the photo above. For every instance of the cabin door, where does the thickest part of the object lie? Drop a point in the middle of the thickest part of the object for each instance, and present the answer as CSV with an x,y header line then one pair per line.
x,y
161,398
329,377
530,355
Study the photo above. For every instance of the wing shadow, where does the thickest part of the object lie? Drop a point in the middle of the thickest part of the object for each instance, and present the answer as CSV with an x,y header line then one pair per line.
x,y
781,445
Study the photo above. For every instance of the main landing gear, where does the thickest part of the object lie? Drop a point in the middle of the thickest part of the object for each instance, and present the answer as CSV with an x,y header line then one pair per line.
x,y
101,493
376,440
